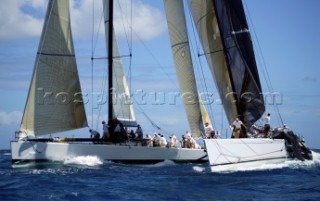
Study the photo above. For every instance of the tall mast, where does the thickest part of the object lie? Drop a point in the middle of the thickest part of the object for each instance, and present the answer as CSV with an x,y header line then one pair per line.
x,y
110,59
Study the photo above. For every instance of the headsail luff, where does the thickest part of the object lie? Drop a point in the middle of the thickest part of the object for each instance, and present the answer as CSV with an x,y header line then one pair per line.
x,y
54,101
226,41
183,64
122,105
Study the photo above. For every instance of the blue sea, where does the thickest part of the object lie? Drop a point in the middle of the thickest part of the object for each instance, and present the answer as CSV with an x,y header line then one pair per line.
x,y
88,178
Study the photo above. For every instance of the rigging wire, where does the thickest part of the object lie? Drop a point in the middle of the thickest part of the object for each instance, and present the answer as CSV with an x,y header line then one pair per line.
x,y
129,43
94,43
127,25
164,71
129,75
92,51
149,119
123,19
130,47
104,75
156,60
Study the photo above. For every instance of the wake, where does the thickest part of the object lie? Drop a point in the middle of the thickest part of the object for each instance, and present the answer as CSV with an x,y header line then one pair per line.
x,y
294,164
83,160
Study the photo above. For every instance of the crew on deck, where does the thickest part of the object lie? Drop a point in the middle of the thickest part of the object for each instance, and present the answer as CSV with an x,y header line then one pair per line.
x,y
209,131
267,125
183,141
173,141
139,133
106,134
94,135
163,141
132,135
148,141
116,133
236,125
191,143
156,140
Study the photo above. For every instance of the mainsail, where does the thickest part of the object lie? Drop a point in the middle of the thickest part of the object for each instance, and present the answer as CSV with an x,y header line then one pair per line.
x,y
183,63
225,37
121,104
54,101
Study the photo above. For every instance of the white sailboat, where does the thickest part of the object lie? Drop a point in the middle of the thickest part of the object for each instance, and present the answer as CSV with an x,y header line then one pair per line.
x,y
56,77
226,42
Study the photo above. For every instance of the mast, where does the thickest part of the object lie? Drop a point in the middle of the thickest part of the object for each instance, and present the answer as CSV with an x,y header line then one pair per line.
x,y
110,60
119,102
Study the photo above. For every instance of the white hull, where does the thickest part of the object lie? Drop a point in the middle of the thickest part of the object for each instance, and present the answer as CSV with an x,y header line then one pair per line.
x,y
238,154
60,151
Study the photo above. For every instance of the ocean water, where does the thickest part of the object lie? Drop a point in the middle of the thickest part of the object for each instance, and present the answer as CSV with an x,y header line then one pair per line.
x,y
88,178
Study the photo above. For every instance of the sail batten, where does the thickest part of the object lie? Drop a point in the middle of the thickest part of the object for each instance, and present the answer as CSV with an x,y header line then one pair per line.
x,y
183,63
58,55
54,102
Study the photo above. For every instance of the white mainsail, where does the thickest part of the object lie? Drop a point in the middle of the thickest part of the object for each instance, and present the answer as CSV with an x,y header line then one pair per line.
x,y
183,63
122,105
54,101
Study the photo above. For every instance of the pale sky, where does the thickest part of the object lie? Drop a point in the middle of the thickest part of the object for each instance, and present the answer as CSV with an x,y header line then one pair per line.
x,y
287,30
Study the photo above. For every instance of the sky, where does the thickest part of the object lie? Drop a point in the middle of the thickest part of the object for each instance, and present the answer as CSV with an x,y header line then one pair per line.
x,y
285,35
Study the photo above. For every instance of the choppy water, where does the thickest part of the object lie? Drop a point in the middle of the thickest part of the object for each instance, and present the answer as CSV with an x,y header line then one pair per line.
x,y
88,178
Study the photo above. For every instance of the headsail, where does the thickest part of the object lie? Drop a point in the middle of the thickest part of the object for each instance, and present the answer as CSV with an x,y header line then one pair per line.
x,y
183,63
122,105
54,101
226,41
205,116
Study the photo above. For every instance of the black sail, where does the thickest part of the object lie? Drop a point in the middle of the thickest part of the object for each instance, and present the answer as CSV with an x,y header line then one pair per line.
x,y
227,43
